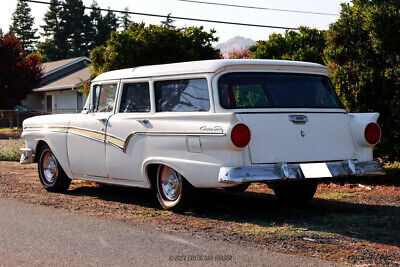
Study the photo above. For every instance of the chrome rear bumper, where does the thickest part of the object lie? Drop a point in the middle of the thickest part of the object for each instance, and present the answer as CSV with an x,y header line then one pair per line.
x,y
284,171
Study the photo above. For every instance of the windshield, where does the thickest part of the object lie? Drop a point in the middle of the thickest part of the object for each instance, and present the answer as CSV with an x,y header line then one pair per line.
x,y
276,90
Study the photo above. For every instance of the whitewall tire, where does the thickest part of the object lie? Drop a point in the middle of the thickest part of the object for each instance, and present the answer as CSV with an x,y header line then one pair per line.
x,y
51,175
173,191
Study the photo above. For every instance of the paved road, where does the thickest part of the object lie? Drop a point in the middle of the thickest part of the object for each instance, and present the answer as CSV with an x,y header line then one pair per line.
x,y
37,235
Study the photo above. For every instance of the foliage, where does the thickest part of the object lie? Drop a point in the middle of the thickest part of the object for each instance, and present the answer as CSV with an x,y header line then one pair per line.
x,y
74,24
111,22
168,22
70,32
54,46
84,87
363,53
303,45
97,33
239,54
141,45
22,26
125,20
9,149
19,73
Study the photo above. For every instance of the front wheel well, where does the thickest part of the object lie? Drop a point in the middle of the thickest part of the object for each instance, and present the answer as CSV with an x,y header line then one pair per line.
x,y
39,147
152,170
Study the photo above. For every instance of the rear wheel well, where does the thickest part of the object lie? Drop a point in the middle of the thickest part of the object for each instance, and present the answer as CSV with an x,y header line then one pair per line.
x,y
39,147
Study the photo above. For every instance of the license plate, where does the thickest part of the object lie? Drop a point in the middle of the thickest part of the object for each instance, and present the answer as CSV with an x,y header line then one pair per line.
x,y
315,170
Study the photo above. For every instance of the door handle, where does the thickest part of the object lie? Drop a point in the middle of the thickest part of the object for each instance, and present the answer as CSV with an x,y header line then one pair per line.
x,y
102,119
298,118
143,122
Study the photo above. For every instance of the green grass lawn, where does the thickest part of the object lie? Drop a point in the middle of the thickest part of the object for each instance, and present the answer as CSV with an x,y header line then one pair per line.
x,y
9,129
9,149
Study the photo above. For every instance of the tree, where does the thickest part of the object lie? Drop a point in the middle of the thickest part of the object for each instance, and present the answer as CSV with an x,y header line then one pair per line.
x,y
303,45
102,26
111,22
97,34
141,45
168,22
52,20
1,32
19,73
239,54
125,19
22,26
363,53
54,46
74,25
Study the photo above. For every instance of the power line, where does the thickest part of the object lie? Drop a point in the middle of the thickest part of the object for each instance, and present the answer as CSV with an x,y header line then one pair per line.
x,y
165,16
262,8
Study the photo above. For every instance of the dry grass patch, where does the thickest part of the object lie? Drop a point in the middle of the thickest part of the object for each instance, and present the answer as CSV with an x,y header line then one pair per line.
x,y
9,149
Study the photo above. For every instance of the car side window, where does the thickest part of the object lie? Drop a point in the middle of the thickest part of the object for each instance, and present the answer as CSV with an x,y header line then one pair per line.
x,y
182,95
135,98
104,97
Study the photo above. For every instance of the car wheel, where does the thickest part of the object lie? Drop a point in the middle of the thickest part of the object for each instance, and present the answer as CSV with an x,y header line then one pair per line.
x,y
237,188
51,175
294,192
173,191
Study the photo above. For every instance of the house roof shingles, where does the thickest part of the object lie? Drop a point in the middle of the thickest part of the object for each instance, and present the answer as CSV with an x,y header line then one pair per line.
x,y
67,82
50,66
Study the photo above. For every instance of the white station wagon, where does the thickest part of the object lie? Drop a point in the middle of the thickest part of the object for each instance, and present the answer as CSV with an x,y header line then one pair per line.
x,y
206,124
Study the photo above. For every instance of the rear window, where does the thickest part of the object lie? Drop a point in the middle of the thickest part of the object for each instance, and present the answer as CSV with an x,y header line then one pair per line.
x,y
182,95
276,90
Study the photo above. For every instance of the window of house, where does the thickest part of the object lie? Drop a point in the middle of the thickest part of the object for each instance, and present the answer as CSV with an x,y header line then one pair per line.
x,y
104,97
182,95
135,98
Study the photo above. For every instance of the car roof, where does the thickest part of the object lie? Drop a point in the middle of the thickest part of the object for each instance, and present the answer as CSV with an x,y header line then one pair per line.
x,y
212,66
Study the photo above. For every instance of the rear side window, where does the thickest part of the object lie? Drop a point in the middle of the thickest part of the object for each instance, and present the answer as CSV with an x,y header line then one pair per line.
x,y
182,95
135,98
276,90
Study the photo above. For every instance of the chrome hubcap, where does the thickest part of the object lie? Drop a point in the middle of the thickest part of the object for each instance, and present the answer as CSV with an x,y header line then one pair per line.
x,y
49,166
171,184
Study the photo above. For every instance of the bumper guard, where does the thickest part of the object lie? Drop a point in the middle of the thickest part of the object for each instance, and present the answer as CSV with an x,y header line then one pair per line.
x,y
26,156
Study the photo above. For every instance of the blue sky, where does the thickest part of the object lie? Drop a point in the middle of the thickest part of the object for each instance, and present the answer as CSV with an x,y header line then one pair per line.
x,y
225,32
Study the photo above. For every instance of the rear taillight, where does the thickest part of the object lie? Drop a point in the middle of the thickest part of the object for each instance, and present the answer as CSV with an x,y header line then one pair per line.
x,y
372,133
240,135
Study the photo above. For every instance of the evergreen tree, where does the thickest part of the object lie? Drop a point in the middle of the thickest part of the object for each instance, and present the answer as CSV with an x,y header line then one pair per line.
x,y
22,26
168,22
111,21
52,20
125,19
74,24
97,33
54,47
1,32
107,24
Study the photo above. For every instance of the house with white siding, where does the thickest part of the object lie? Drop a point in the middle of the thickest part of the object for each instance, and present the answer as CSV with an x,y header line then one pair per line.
x,y
58,92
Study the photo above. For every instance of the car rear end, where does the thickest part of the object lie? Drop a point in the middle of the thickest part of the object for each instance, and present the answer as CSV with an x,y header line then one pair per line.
x,y
292,126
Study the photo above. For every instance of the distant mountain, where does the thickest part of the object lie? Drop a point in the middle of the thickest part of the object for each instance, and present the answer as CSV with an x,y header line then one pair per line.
x,y
236,43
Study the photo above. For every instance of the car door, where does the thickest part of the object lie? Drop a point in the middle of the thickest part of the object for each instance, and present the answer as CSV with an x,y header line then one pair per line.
x,y
126,139
86,133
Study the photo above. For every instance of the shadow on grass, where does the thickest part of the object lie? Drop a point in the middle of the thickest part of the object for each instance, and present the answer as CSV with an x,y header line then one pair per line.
x,y
376,223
